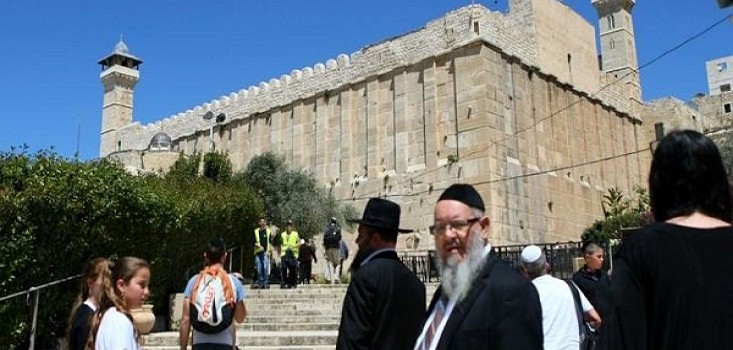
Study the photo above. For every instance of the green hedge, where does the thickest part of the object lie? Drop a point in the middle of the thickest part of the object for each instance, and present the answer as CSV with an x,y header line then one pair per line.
x,y
57,213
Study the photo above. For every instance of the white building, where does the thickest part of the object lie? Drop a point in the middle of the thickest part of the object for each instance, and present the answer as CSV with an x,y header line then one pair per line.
x,y
720,75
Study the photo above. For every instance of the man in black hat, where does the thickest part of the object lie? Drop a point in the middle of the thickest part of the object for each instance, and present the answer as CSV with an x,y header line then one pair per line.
x,y
482,302
384,307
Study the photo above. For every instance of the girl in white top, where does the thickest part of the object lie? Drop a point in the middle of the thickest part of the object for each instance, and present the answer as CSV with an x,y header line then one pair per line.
x,y
127,289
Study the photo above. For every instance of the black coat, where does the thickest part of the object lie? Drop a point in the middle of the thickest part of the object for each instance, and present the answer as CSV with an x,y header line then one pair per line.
x,y
80,325
672,289
384,307
501,311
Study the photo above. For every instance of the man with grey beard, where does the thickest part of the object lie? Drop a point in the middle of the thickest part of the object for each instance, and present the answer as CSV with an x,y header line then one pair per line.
x,y
482,302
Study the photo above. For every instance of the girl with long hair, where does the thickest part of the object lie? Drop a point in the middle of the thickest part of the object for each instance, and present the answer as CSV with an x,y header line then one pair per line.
x,y
125,290
93,276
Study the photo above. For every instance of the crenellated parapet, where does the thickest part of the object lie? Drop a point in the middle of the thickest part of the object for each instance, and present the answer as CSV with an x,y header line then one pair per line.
x,y
509,33
455,29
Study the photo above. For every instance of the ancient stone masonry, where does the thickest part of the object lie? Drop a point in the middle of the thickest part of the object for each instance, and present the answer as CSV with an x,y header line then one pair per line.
x,y
495,100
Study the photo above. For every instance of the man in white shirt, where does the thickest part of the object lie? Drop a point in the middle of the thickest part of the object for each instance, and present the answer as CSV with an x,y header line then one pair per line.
x,y
559,316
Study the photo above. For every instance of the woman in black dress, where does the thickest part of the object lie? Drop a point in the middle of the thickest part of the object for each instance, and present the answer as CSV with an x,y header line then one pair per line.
x,y
672,281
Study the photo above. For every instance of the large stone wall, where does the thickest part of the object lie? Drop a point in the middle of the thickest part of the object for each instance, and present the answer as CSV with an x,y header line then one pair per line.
x,y
571,58
464,99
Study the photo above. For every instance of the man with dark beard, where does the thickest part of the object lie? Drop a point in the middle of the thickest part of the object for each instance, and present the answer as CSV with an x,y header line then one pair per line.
x,y
482,302
384,307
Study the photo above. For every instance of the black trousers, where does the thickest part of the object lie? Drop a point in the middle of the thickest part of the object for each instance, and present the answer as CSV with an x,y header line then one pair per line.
x,y
290,271
305,271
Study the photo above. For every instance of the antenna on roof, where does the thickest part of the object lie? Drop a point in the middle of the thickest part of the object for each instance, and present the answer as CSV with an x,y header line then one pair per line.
x,y
78,139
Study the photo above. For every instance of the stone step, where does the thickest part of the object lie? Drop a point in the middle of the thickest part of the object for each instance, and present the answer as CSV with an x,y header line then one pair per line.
x,y
287,312
288,326
260,306
305,347
305,318
257,307
294,301
295,293
248,339
294,347
303,286
328,318
321,285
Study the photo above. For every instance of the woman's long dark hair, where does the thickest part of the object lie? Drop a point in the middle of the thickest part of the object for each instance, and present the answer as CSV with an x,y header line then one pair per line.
x,y
688,175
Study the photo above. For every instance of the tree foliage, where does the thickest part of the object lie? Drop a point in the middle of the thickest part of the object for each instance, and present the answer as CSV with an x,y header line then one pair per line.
x,y
56,214
292,194
620,212
217,167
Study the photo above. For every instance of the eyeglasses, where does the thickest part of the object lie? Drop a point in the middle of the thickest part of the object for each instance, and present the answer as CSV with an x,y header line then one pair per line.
x,y
458,225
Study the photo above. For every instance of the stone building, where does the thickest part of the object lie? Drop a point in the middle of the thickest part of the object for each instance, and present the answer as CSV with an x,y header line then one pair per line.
x,y
512,103
720,75
717,106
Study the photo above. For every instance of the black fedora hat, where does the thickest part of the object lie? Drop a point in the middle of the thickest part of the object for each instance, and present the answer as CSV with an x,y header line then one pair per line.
x,y
381,214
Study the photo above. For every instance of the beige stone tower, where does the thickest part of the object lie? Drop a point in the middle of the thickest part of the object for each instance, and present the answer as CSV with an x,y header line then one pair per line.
x,y
119,75
618,44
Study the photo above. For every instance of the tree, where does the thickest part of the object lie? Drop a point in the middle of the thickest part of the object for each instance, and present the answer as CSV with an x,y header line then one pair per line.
x,y
56,214
217,167
292,194
620,212
614,203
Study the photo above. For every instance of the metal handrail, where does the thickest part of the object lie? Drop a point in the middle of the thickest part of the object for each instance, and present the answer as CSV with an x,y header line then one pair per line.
x,y
37,291
35,288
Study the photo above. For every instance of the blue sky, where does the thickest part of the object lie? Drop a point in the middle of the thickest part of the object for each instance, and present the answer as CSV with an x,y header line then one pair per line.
x,y
196,51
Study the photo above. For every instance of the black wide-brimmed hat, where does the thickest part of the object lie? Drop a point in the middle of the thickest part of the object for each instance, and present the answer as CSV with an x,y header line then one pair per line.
x,y
383,215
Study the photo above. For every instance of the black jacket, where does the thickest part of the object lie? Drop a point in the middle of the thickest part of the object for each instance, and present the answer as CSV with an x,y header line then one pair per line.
x,y
501,311
384,307
332,237
80,327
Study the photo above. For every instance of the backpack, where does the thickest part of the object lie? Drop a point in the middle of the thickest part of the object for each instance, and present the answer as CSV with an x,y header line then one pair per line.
x,y
587,335
212,301
331,238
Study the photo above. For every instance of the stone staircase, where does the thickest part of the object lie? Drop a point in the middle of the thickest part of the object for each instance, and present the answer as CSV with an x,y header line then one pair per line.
x,y
305,318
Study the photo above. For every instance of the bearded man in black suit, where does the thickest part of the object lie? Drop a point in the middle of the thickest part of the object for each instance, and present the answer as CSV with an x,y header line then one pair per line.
x,y
482,303
384,306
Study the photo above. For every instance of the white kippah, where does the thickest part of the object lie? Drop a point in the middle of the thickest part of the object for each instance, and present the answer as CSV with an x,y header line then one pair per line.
x,y
531,253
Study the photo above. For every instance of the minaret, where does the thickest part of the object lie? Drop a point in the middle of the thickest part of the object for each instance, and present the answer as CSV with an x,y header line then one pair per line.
x,y
618,44
119,75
